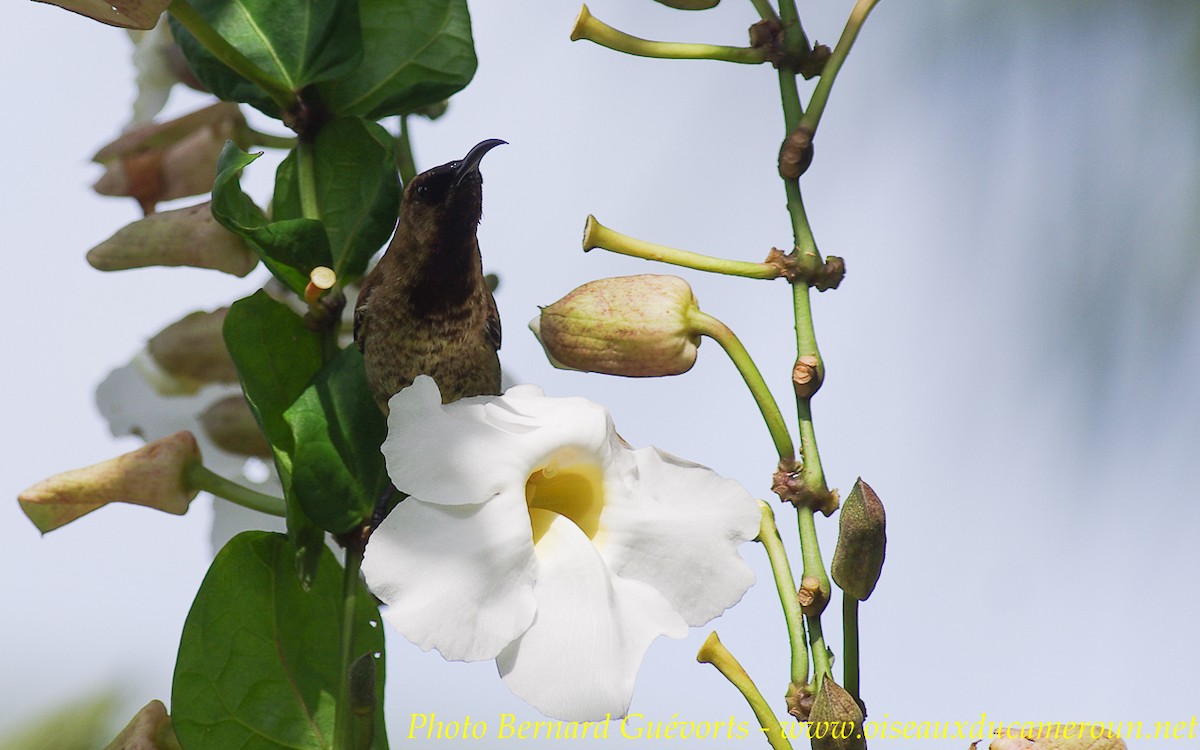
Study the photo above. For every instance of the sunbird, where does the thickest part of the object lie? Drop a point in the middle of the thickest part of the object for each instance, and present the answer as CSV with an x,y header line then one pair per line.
x,y
426,307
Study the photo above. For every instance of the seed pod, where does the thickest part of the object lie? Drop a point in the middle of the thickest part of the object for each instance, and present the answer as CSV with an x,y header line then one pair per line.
x,y
862,540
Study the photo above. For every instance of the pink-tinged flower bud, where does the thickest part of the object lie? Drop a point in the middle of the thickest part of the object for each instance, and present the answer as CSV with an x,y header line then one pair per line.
x,y
152,475
149,729
175,159
184,237
192,351
128,14
636,326
231,426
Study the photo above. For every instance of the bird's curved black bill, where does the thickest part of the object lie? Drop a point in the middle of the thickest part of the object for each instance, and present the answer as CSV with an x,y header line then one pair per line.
x,y
470,162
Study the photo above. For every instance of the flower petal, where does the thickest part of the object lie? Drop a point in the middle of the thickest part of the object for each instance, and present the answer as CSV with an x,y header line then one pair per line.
x,y
578,660
484,445
680,532
458,578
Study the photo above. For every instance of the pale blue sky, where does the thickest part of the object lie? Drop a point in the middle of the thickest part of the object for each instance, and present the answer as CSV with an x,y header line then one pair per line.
x,y
1011,361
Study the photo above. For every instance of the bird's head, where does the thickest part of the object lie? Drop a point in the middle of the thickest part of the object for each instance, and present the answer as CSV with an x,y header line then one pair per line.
x,y
442,206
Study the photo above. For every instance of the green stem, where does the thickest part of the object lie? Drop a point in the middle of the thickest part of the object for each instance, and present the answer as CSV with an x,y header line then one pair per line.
x,y
707,325
820,96
812,472
198,27
404,154
785,584
822,667
344,720
814,567
268,140
201,478
850,645
593,29
596,235
765,11
307,175
795,40
714,652
788,13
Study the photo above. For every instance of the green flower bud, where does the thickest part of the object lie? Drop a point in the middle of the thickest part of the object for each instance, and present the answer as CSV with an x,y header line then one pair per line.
x,y
836,719
184,237
153,475
862,539
192,352
636,326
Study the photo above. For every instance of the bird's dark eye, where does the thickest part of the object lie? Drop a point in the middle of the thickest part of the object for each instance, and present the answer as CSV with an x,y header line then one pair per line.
x,y
423,191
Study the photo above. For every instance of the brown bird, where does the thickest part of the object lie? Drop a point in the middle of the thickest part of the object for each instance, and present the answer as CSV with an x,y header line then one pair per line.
x,y
425,308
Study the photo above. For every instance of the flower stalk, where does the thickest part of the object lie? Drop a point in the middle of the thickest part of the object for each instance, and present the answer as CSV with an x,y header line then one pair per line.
x,y
785,584
820,96
596,235
199,477
850,672
593,29
714,652
707,325
765,11
344,719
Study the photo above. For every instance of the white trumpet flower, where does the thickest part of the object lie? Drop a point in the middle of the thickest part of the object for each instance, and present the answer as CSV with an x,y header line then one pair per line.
x,y
535,536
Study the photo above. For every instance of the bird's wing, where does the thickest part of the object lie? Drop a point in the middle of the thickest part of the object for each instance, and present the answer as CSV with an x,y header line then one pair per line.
x,y
360,315
493,323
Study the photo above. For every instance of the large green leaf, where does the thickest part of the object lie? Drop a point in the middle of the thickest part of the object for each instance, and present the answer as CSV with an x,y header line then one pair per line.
x,y
356,188
295,43
338,473
416,53
276,356
291,249
258,665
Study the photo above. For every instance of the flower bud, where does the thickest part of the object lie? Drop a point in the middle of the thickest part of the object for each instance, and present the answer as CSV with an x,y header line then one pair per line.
x,y
160,65
128,14
149,729
163,161
192,351
152,475
184,237
230,424
862,539
636,326
836,719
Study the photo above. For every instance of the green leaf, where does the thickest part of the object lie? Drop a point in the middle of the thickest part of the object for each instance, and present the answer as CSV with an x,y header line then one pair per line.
x,y
338,473
276,356
291,249
295,43
258,665
416,53
356,186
